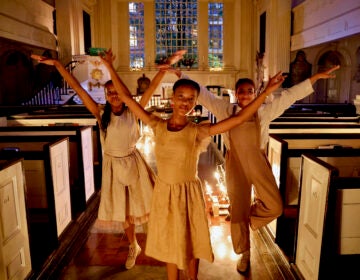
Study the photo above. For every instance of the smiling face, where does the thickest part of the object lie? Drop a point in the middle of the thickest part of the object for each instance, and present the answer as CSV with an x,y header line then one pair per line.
x,y
185,95
111,96
245,93
184,99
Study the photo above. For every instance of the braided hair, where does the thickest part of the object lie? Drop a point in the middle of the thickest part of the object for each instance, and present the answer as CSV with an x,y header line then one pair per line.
x,y
105,118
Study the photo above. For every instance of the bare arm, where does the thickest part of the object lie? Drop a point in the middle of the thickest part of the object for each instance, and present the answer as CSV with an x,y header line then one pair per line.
x,y
89,103
160,75
249,110
152,87
324,75
109,57
135,107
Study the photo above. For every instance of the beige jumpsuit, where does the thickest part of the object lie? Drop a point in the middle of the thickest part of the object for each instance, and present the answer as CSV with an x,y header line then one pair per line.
x,y
247,166
246,162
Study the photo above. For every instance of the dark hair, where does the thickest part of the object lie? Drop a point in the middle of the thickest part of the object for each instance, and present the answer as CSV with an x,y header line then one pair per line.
x,y
186,82
105,118
108,83
244,81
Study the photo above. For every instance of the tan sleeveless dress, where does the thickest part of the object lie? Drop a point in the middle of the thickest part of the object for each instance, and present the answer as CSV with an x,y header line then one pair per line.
x,y
178,227
127,180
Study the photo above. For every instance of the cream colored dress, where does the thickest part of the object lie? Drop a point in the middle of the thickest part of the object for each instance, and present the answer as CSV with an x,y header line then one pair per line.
x,y
178,227
127,180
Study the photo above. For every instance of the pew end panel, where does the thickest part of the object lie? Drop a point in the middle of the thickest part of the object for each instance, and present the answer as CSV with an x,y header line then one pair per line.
x,y
285,158
43,219
82,174
327,207
347,215
87,156
276,148
315,183
15,260
58,183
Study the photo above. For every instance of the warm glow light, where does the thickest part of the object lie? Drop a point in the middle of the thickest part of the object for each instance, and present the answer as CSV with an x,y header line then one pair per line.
x,y
222,251
224,248
208,188
146,129
216,69
147,146
145,143
223,188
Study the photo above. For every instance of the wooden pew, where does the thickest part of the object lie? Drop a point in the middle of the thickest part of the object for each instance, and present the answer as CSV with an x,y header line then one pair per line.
x,y
328,232
63,116
15,261
82,181
46,168
296,125
285,150
284,153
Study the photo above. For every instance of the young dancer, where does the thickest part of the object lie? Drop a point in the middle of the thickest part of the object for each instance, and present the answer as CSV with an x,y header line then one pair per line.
x,y
247,166
127,180
178,231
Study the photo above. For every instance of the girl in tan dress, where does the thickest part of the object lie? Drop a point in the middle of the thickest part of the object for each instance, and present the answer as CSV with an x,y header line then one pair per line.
x,y
178,231
127,180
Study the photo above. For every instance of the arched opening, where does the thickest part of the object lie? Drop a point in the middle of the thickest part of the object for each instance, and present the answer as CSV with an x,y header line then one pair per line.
x,y
328,91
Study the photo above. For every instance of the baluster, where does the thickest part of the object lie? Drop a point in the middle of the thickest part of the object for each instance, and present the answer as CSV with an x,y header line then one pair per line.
x,y
41,96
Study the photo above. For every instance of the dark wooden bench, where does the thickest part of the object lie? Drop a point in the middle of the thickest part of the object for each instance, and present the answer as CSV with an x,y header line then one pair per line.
x,y
284,153
63,117
82,154
48,200
315,124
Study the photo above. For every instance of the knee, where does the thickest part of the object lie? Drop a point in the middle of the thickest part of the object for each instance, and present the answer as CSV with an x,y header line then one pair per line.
x,y
278,209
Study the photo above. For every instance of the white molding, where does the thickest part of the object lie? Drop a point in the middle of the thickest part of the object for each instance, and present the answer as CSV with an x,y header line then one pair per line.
x,y
324,23
21,22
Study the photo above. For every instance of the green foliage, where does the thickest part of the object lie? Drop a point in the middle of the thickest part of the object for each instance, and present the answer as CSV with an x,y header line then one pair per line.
x,y
214,61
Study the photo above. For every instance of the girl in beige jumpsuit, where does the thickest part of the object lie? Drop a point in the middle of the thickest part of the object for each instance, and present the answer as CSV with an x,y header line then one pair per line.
x,y
247,166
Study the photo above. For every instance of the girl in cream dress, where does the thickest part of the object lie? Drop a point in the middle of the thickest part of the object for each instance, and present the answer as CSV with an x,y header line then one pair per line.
x,y
127,180
178,231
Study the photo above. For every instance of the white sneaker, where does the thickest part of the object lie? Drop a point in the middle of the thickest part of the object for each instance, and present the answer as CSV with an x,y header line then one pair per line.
x,y
244,262
134,251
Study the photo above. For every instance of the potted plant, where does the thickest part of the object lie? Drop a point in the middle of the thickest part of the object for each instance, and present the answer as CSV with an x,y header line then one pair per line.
x,y
188,61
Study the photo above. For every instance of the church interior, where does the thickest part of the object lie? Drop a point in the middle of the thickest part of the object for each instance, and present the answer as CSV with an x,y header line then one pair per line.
x,y
51,147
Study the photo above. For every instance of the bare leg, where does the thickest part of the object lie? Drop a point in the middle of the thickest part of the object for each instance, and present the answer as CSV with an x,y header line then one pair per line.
x,y
134,248
172,271
193,269
130,233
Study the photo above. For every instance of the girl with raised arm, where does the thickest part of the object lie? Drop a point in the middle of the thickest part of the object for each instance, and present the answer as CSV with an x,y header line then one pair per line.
x,y
178,231
127,180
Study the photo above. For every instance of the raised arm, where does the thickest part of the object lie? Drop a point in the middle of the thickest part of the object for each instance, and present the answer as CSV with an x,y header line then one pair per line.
x,y
109,57
324,75
89,103
135,107
160,75
250,109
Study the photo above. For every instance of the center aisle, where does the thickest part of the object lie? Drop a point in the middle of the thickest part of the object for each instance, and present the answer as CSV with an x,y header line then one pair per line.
x,y
103,256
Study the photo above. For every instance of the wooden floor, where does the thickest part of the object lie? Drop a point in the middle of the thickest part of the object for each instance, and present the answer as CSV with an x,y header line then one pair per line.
x,y
103,255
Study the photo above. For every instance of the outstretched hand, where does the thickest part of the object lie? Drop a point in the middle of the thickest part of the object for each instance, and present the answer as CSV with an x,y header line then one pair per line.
x,y
328,74
174,58
275,82
107,56
43,59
